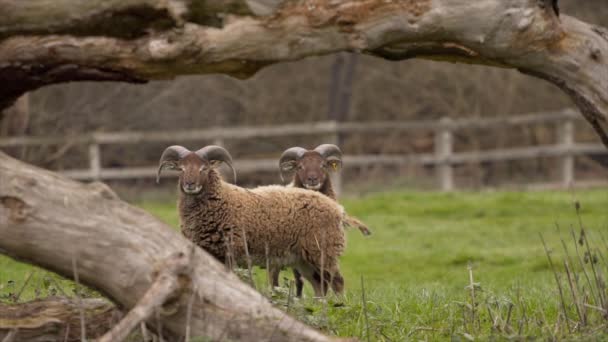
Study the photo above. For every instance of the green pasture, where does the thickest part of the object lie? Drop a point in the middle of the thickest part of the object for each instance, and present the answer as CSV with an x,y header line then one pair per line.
x,y
416,267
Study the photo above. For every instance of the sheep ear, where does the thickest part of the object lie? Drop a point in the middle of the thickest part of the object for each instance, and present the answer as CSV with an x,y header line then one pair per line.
x,y
215,163
334,164
166,165
287,166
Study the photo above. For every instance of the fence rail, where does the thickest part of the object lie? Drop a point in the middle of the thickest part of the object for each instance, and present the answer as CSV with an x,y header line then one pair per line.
x,y
444,157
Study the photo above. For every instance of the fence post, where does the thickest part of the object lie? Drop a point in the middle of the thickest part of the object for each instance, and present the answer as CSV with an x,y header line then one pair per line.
x,y
336,177
443,153
566,140
95,159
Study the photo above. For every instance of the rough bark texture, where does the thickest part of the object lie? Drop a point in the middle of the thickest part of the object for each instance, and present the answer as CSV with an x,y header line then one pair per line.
x,y
120,250
178,37
57,319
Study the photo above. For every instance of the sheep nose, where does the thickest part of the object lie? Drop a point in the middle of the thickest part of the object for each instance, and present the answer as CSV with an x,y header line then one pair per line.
x,y
312,179
189,185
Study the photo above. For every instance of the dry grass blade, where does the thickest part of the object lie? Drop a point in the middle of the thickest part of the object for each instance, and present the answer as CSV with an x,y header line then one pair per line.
x,y
27,280
472,288
267,252
249,267
83,332
584,237
582,264
573,291
364,307
290,295
189,315
559,285
144,332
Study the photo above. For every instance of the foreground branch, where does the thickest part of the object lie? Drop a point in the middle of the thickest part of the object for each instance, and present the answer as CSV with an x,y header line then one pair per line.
x,y
120,250
177,40
166,285
56,319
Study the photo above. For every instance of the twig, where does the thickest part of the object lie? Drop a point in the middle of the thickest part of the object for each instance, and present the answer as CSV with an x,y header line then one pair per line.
x,y
58,286
507,326
289,295
248,258
267,252
364,303
27,280
595,308
144,331
417,329
159,323
67,333
472,285
83,332
574,294
598,283
580,260
167,284
322,270
559,285
10,337
189,315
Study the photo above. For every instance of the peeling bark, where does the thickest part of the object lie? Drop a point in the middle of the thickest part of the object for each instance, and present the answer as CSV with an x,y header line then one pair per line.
x,y
121,251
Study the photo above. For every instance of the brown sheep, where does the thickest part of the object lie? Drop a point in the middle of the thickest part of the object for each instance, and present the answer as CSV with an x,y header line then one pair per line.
x,y
311,171
284,227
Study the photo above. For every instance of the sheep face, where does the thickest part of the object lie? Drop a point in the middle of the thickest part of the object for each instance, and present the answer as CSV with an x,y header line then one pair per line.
x,y
194,167
193,174
312,170
311,167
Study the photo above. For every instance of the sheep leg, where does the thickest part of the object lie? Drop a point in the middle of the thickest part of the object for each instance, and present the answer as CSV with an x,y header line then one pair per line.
x,y
274,275
299,283
337,283
308,272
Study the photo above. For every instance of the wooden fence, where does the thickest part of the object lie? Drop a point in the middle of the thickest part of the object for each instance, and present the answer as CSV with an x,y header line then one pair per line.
x,y
444,158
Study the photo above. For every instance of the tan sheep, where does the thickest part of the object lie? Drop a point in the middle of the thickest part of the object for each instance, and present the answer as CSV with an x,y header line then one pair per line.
x,y
284,227
311,171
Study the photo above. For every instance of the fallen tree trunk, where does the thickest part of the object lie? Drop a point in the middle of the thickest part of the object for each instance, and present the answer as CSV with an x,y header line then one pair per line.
x,y
57,319
238,38
122,251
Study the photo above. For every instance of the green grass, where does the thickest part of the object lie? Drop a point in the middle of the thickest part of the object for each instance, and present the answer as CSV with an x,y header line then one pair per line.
x,y
414,266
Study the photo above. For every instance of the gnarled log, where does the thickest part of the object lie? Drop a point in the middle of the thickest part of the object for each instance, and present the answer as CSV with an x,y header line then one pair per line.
x,y
240,37
57,319
121,250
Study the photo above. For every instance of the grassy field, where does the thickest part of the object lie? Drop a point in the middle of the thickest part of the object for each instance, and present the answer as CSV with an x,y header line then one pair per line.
x,y
415,267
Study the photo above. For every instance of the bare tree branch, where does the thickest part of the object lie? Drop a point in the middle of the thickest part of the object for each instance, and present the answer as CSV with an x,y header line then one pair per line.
x,y
525,35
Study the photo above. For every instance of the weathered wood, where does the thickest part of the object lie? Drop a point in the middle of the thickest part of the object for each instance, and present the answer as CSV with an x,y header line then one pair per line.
x,y
565,147
220,134
520,34
170,281
57,319
49,220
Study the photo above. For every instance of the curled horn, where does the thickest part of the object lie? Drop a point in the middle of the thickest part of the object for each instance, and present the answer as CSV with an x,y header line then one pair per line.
x,y
217,153
290,155
170,157
330,152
